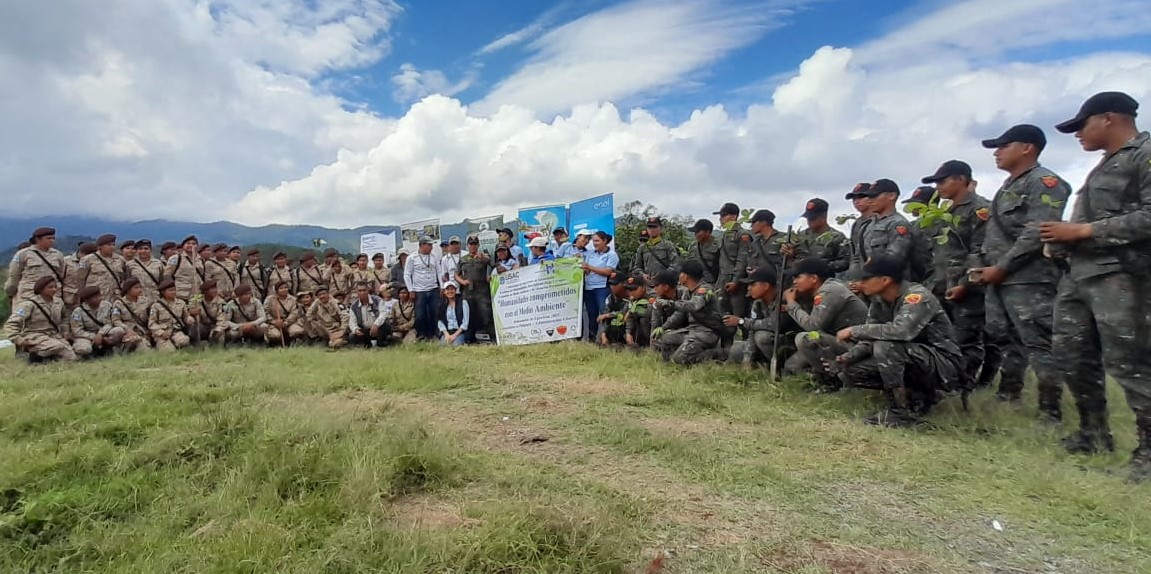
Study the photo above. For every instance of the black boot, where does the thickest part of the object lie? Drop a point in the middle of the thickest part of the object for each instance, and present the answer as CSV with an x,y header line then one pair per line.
x,y
1141,457
1093,436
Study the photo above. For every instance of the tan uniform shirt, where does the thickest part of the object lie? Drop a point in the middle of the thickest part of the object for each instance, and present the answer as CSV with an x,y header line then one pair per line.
x,y
88,322
29,265
256,277
167,317
285,309
308,279
35,317
106,273
150,274
132,315
224,274
327,317
185,271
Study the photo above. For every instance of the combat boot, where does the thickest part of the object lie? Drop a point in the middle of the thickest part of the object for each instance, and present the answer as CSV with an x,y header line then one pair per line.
x,y
1141,457
1093,436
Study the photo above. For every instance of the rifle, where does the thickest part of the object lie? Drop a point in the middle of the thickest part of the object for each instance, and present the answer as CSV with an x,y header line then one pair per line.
x,y
778,305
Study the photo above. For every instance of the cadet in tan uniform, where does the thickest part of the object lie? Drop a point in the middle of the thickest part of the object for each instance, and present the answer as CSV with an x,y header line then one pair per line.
x,y
41,259
94,333
222,271
243,318
282,271
312,333
339,278
130,313
104,268
283,313
308,275
36,325
380,275
207,313
168,319
183,269
167,250
128,250
73,281
254,275
325,315
149,271
404,317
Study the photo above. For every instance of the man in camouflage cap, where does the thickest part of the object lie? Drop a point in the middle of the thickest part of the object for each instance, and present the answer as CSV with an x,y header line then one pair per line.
x,y
761,322
705,250
656,254
37,324
733,244
821,240
766,249
820,306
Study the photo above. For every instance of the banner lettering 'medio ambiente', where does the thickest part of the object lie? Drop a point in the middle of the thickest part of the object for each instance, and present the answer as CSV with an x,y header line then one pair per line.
x,y
538,303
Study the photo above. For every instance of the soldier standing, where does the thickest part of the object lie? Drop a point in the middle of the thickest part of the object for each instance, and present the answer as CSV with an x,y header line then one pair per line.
x,y
821,240
183,269
705,250
888,234
128,250
1101,310
656,254
379,274
733,244
695,326
1021,283
104,269
472,274
282,272
148,270
862,204
73,281
255,275
41,259
309,276
36,325
222,271
766,250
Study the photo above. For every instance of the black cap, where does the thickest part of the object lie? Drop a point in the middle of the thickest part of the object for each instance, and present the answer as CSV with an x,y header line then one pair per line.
x,y
860,190
727,209
884,267
1101,103
880,186
693,269
473,240
813,266
655,222
922,194
949,168
559,231
506,230
764,215
617,279
702,225
635,281
764,275
1022,133
666,277
815,207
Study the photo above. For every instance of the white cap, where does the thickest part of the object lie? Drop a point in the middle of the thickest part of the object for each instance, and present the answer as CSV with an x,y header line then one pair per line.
x,y
539,242
451,284
584,232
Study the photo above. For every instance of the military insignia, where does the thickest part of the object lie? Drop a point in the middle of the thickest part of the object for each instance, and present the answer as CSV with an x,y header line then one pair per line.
x,y
913,298
20,312
172,260
76,315
983,213
1050,181
857,187
810,205
818,299
901,229
701,291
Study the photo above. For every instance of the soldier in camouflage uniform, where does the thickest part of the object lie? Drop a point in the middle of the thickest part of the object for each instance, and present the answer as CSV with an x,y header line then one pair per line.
x,y
340,279
733,245
168,319
308,276
905,348
207,314
326,316
130,312
284,314
243,318
37,324
404,317
282,271
72,278
613,320
1021,283
820,240
41,259
255,275
821,306
183,269
104,269
761,323
1103,302
693,330
765,251
958,245
94,332
149,271
222,271
705,250
637,320
888,234
128,251
379,274
656,254
472,273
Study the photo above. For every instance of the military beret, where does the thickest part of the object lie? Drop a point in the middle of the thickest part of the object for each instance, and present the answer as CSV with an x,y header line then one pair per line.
x,y
307,256
191,238
87,293
321,289
279,284
127,244
128,284
234,248
87,248
253,251
279,254
41,283
208,285
42,232
205,247
146,243
165,285
242,289
106,239
220,247
330,252
361,256
377,256
168,245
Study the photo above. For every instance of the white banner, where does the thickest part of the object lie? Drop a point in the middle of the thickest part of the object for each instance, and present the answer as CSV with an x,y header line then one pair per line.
x,y
413,231
538,303
373,243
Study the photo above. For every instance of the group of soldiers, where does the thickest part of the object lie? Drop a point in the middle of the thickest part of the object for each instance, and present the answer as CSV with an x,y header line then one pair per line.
x,y
968,292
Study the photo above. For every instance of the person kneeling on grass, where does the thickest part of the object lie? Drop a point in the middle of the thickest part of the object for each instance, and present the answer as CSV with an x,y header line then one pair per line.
x,y
168,319
906,347
36,325
761,324
327,319
243,318
821,306
612,326
93,332
453,317
692,332
403,317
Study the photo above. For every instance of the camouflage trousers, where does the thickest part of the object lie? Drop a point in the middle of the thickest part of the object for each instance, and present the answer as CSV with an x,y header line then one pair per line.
x,y
48,347
175,340
895,365
967,324
1020,323
815,350
687,346
482,322
1101,326
295,332
757,349
85,347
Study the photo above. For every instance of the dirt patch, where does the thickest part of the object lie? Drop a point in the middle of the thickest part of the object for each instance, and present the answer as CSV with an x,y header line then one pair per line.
x,y
845,559
422,512
596,387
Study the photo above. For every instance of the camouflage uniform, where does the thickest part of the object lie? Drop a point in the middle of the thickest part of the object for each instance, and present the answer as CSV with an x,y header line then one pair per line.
x,y
209,319
150,274
404,321
832,308
278,274
707,254
339,280
132,316
733,253
1020,311
906,349
328,319
858,232
255,275
478,294
29,265
1102,306
765,252
760,325
185,272
72,283
107,273
654,256
380,277
830,245
637,322
224,274
615,326
887,236
308,279
38,327
693,329
88,323
288,311
236,314
169,322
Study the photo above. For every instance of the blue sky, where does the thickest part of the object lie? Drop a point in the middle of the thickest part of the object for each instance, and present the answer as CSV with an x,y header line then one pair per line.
x,y
380,112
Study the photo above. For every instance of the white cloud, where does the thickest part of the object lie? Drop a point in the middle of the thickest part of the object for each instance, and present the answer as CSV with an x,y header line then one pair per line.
x,y
412,83
626,50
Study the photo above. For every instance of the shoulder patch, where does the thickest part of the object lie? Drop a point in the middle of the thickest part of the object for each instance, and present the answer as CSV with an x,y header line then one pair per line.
x,y
173,259
818,299
901,229
1050,181
77,315
701,291
22,311
913,298
983,213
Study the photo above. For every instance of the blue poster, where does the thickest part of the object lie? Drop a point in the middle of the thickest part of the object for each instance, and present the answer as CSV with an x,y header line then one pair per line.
x,y
541,221
593,214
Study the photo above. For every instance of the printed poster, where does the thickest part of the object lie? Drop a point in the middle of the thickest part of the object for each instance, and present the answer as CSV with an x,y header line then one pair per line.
x,y
593,214
373,243
411,233
541,221
538,303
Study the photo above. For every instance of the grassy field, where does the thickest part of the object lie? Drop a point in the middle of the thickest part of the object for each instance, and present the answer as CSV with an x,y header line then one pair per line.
x,y
547,459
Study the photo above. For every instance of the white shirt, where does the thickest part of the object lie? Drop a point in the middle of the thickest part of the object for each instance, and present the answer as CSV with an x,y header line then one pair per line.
x,y
448,267
422,273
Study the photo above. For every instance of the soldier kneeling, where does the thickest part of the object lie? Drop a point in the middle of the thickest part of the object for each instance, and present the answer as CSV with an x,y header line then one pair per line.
x,y
93,331
760,326
243,319
36,324
693,331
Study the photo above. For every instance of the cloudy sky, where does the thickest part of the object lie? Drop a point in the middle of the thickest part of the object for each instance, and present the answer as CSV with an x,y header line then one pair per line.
x,y
374,112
